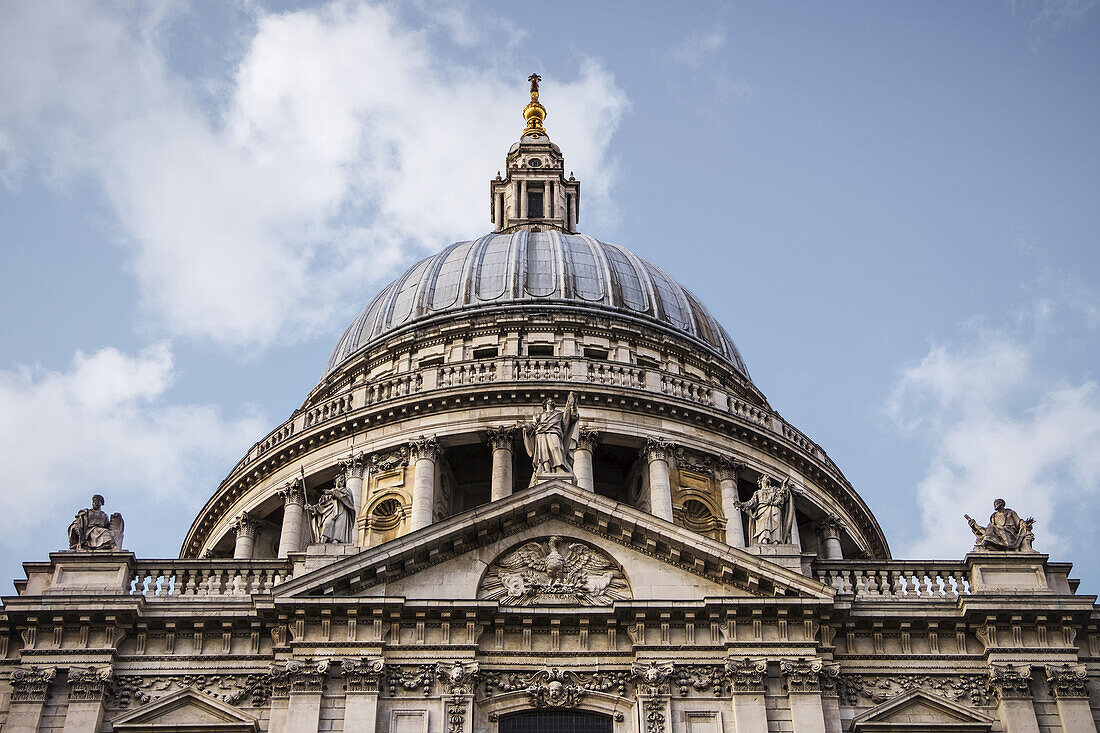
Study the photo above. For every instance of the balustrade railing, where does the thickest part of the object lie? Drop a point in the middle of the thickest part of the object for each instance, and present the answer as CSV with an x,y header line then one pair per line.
x,y
457,375
170,578
687,389
748,411
327,411
616,375
895,580
394,387
543,370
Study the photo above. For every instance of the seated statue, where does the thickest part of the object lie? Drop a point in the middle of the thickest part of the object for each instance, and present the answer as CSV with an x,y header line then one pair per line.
x,y
92,530
1005,532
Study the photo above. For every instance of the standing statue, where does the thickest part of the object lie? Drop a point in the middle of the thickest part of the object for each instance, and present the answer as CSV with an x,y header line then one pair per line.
x,y
92,530
332,518
1006,531
771,513
551,437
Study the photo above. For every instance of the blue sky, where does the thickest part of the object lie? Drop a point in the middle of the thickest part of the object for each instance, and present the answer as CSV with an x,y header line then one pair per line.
x,y
892,208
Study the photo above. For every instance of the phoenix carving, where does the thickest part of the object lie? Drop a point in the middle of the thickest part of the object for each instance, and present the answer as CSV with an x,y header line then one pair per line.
x,y
552,572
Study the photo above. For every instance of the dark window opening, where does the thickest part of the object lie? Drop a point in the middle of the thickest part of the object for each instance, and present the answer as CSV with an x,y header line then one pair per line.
x,y
534,203
486,352
472,466
431,361
555,721
540,350
592,352
644,361
611,466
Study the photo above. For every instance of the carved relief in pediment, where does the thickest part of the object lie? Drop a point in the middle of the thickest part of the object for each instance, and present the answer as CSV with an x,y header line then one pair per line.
x,y
555,571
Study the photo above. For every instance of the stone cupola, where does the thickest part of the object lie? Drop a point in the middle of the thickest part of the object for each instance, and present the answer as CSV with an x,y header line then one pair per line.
x,y
534,194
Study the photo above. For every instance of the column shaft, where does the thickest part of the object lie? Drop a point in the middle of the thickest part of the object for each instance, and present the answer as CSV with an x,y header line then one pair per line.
x,y
290,536
735,527
749,713
242,549
502,473
582,469
1018,715
807,715
24,717
304,712
1076,715
83,716
660,487
424,451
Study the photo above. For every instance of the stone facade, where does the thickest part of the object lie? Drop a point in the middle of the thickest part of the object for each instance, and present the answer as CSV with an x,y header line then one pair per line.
x,y
692,562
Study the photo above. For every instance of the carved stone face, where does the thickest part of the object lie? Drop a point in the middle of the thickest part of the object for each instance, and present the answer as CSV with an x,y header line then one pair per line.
x,y
97,501
999,504
548,406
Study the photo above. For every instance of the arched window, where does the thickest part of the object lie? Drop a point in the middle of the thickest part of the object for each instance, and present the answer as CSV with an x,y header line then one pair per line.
x,y
555,721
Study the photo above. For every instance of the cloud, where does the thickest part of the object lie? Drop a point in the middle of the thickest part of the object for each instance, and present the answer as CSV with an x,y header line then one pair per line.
x,y
344,140
697,48
997,426
105,424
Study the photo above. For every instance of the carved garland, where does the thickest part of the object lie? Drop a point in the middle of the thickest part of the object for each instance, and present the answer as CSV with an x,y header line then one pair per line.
x,y
880,688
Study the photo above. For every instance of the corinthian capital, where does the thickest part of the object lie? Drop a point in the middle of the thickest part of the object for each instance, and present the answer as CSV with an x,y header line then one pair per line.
x,y
727,469
294,491
802,675
1010,681
31,684
424,448
354,466
747,675
89,684
658,449
500,437
587,438
362,675
1067,681
245,525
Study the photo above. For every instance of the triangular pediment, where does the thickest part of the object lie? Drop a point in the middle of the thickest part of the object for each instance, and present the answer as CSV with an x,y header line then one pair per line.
x,y
673,563
186,710
920,710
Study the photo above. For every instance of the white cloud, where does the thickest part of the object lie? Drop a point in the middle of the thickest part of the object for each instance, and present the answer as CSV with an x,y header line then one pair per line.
x,y
345,140
697,48
104,425
998,428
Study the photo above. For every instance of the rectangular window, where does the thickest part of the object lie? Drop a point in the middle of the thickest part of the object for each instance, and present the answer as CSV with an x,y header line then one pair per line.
x,y
534,202
593,352
485,352
645,361
540,350
431,361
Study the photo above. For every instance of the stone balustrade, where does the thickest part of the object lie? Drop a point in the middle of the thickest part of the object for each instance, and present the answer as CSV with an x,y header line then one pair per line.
x,y
164,579
569,371
895,580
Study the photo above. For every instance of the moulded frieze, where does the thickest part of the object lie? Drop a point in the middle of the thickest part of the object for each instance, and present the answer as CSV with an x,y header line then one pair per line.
x,y
880,688
700,678
231,688
554,687
409,677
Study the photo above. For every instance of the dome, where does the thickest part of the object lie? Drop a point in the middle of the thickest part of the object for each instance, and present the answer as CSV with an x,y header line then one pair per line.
x,y
525,268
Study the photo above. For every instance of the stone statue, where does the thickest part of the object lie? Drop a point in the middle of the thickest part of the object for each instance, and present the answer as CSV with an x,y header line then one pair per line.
x,y
551,437
554,572
1005,532
332,518
92,530
771,513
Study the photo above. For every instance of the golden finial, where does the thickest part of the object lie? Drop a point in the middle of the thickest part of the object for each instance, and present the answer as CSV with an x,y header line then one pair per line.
x,y
534,112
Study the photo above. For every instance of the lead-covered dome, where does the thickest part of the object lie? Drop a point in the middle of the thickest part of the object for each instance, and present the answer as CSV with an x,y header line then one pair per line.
x,y
524,269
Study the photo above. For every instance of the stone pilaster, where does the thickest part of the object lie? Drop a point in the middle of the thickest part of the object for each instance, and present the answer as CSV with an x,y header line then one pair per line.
x,y
747,679
424,453
582,458
802,678
294,509
307,682
500,443
657,453
1068,686
361,681
30,688
726,472
1011,683
88,690
245,529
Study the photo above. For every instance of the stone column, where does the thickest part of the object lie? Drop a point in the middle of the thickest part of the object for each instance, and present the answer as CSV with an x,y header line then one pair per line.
x,y
30,688
582,459
572,212
747,680
307,682
523,199
657,453
361,679
425,452
1071,695
280,698
830,535
802,678
500,441
294,509
1012,685
726,472
87,695
354,471
245,528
